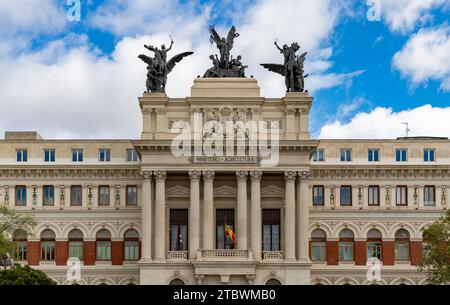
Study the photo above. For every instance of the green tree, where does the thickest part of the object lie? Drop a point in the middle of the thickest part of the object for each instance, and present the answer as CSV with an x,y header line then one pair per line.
x,y
436,254
11,221
24,275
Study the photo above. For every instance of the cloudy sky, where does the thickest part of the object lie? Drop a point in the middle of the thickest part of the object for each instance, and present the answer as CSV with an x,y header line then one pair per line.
x,y
373,64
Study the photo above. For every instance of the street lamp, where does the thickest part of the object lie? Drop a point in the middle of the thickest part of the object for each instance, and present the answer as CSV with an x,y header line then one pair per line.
x,y
6,261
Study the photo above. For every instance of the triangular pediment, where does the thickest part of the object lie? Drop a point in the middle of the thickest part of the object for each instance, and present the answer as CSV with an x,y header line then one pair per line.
x,y
272,191
178,191
225,191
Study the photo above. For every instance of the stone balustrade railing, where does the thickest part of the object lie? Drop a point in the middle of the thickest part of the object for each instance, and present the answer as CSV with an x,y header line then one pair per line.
x,y
273,256
177,256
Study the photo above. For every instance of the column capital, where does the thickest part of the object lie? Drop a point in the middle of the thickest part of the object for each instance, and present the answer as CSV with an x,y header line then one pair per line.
x,y
290,175
241,175
304,175
145,174
208,175
195,175
256,175
160,175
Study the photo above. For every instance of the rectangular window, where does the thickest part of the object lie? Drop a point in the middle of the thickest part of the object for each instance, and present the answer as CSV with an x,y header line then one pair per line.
x,y
49,155
103,195
318,155
346,155
402,251
318,195
132,155
429,193
76,249
319,251
131,195
401,195
131,250
49,195
401,155
77,155
374,250
22,155
373,155
21,195
104,155
21,253
179,230
374,195
429,155
76,196
224,217
271,230
103,250
346,195
346,251
47,250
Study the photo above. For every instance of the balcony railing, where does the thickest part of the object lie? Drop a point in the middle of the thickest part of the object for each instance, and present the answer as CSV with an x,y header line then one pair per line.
x,y
273,255
226,254
177,256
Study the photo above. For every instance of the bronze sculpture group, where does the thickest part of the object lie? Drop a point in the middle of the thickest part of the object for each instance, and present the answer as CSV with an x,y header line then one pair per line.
x,y
225,66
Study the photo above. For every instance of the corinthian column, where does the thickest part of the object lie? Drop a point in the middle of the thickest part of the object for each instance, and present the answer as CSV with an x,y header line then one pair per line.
x,y
241,234
194,214
160,215
290,215
303,217
208,210
146,215
256,213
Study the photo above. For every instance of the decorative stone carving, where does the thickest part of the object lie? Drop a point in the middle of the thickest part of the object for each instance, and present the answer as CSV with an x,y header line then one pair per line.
x,y
145,174
62,196
90,196
416,196
304,176
443,195
208,175
256,175
290,175
360,196
194,175
332,197
117,196
34,197
388,197
6,201
241,175
160,175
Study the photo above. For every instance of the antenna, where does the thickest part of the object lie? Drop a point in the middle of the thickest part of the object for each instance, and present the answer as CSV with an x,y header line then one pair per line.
x,y
407,131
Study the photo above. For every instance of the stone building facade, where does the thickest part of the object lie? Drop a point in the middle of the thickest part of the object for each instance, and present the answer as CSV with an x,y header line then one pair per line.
x,y
134,212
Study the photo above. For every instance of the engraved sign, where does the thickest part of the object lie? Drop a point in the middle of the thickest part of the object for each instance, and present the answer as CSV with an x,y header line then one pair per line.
x,y
226,159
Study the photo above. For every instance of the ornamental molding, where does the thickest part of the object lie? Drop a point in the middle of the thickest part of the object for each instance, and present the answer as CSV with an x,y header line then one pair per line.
x,y
242,175
100,172
195,175
208,175
290,175
256,175
160,175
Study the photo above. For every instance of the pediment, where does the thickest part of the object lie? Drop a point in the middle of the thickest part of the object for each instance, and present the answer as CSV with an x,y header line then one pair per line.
x,y
225,191
178,191
272,191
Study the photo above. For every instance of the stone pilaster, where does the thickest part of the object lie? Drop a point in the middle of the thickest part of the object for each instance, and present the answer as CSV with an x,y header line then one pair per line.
x,y
256,213
146,177
208,210
241,229
303,217
160,215
194,214
290,215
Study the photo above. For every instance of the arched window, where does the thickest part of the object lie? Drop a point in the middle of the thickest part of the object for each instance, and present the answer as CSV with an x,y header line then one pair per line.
x,y
402,245
374,244
176,282
273,282
319,245
76,244
346,245
20,238
131,245
48,248
103,241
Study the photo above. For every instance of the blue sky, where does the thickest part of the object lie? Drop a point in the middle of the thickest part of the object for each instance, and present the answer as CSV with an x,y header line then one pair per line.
x,y
81,79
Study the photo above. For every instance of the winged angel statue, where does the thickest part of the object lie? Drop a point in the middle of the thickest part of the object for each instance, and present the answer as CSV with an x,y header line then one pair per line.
x,y
226,65
158,67
292,69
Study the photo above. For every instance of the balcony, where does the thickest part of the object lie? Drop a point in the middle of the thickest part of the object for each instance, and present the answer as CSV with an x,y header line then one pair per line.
x,y
177,256
225,255
273,256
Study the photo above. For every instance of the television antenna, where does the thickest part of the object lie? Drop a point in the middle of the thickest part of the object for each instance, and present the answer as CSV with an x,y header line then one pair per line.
x,y
407,130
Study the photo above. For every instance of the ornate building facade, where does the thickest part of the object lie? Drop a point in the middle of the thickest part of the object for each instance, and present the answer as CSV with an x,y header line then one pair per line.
x,y
135,212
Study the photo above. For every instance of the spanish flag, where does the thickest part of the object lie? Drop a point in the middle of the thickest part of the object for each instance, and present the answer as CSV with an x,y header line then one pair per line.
x,y
230,234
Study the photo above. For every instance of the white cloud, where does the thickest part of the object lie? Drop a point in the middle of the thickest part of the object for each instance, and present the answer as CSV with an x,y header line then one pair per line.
x,y
384,123
70,90
426,56
402,16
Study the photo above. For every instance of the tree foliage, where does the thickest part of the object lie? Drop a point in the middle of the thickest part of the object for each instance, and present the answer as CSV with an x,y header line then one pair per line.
x,y
436,254
24,275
